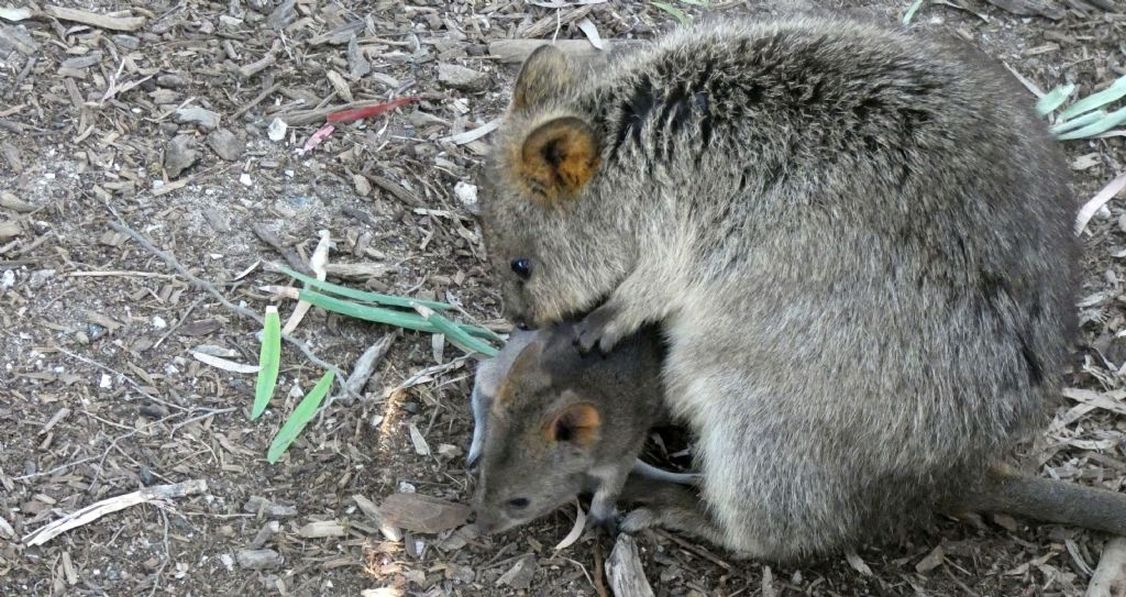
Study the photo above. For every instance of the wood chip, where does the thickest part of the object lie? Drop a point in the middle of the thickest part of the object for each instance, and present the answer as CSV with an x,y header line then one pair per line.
x,y
624,569
322,528
933,560
95,20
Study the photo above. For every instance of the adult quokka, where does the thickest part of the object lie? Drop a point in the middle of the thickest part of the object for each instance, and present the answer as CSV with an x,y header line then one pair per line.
x,y
858,242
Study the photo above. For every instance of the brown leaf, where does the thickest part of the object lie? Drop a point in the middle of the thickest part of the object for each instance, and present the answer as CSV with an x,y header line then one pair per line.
x,y
422,513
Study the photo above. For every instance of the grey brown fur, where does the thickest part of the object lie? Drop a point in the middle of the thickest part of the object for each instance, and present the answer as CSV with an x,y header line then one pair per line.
x,y
858,242
556,427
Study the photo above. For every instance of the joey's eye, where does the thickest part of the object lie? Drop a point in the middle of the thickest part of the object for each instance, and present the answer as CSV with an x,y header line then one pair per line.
x,y
522,267
518,503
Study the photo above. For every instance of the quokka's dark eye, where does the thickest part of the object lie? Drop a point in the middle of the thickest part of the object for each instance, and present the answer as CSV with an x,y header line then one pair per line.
x,y
518,503
522,267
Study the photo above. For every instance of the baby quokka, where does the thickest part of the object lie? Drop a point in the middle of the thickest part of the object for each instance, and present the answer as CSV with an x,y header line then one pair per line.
x,y
560,424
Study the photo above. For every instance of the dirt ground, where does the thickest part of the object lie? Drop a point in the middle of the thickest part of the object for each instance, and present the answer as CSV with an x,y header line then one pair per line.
x,y
100,393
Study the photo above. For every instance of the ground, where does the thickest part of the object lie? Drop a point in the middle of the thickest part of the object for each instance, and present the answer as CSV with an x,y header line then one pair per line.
x,y
100,394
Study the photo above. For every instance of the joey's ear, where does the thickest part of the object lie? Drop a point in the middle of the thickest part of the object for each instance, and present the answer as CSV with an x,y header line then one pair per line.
x,y
578,424
546,72
526,372
559,158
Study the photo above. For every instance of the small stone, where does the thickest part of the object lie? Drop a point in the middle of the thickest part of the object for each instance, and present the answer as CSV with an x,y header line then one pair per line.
x,y
228,562
245,180
159,323
179,155
39,278
195,115
277,129
363,187
7,279
106,382
459,77
467,194
259,559
225,144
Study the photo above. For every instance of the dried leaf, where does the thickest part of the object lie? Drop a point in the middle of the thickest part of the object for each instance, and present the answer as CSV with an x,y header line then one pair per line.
x,y
590,30
857,563
1100,199
421,513
576,530
224,364
420,446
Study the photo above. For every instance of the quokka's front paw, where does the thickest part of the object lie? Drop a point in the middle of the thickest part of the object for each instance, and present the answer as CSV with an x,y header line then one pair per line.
x,y
607,521
598,330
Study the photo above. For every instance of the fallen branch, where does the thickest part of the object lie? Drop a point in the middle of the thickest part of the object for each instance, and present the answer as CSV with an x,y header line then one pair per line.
x,y
107,506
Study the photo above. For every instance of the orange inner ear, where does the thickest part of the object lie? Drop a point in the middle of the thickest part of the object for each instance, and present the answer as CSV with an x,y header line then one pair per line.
x,y
559,158
578,424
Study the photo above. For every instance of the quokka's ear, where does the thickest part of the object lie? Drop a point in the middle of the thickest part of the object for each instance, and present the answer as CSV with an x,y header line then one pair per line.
x,y
578,424
546,73
559,158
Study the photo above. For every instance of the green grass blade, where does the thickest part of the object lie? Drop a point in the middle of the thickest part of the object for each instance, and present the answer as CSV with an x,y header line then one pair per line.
x,y
361,295
407,320
676,13
269,359
911,10
1054,99
1114,92
299,418
1074,123
1108,122
455,334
